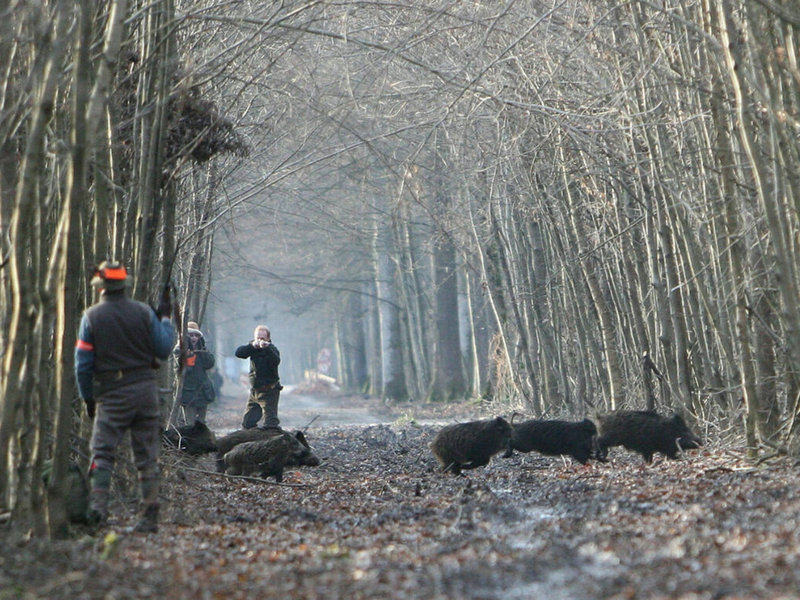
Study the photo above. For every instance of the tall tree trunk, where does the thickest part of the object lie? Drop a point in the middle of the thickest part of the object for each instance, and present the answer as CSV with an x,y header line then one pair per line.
x,y
501,335
374,358
159,51
734,227
469,318
531,391
66,263
392,375
353,351
412,293
544,321
19,377
765,323
448,379
605,317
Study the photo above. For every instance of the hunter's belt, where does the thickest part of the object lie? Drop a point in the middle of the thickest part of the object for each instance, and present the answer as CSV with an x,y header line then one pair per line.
x,y
107,377
267,387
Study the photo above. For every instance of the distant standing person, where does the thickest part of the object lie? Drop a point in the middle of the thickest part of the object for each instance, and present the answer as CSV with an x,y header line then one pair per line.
x,y
217,381
197,390
265,384
118,342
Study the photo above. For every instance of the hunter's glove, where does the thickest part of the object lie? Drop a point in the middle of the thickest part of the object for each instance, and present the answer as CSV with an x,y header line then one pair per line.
x,y
164,304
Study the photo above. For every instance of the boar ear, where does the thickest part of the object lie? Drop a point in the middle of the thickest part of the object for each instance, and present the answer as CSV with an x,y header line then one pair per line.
x,y
301,438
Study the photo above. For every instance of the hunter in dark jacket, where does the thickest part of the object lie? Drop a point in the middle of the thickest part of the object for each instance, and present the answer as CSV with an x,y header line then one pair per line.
x,y
197,390
118,342
265,384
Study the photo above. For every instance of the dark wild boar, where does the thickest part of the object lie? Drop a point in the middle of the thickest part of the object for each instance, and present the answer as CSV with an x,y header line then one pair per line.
x,y
470,445
77,499
193,439
645,432
268,457
227,443
556,438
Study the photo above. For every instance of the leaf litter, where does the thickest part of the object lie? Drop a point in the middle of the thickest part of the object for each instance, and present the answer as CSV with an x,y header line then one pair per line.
x,y
377,520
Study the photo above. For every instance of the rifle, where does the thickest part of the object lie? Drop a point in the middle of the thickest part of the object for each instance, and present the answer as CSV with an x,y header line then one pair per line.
x,y
166,304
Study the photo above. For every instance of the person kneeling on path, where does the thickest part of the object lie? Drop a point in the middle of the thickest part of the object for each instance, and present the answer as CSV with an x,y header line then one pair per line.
x,y
119,340
265,384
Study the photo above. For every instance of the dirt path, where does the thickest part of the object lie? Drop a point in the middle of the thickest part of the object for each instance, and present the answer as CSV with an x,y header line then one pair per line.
x,y
377,520
298,410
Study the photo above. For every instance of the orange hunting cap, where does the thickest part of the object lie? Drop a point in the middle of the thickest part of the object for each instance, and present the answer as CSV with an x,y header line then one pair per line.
x,y
110,275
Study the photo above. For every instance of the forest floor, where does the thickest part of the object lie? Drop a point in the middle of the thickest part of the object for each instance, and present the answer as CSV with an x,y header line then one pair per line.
x,y
377,520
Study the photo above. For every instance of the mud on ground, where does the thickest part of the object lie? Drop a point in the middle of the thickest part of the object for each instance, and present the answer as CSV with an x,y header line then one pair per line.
x,y
377,520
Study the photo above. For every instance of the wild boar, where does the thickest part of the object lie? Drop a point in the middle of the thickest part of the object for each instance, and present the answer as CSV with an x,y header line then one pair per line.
x,y
193,439
228,442
556,438
645,432
77,499
470,445
268,457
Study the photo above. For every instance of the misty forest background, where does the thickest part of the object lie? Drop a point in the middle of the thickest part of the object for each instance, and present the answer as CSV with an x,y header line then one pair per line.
x,y
538,203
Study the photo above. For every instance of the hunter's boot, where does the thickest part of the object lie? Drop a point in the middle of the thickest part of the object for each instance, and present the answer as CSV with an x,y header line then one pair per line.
x,y
100,484
148,522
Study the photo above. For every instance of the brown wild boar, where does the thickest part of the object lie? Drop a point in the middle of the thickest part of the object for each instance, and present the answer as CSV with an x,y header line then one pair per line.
x,y
268,457
193,439
471,445
554,438
228,442
645,432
